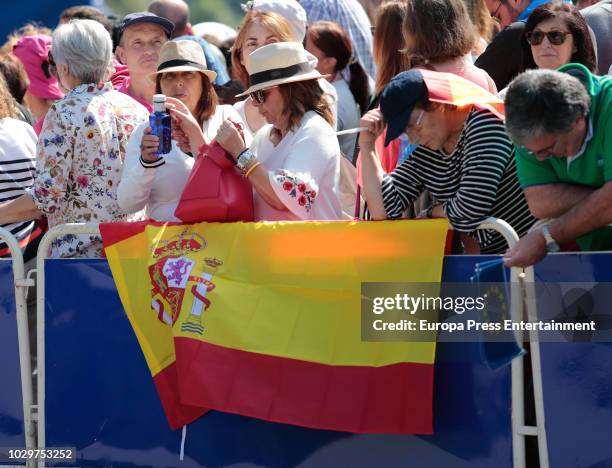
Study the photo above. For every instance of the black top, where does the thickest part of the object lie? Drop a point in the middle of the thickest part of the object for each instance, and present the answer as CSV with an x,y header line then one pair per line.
x,y
507,55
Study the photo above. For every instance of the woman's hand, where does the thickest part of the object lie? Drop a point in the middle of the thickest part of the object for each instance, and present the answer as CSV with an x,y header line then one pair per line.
x,y
185,128
373,121
149,144
230,138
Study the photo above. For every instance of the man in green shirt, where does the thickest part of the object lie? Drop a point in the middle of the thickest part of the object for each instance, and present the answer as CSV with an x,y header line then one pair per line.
x,y
561,124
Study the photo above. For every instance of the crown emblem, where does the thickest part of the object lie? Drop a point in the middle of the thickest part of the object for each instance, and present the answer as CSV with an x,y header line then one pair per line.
x,y
213,263
184,242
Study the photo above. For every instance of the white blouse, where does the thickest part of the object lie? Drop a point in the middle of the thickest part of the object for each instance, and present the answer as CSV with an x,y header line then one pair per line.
x,y
159,189
304,171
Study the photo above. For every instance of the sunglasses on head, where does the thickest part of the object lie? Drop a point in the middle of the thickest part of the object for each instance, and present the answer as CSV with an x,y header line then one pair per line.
x,y
259,96
554,37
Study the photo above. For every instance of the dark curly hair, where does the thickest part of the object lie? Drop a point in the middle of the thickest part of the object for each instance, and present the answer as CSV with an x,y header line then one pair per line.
x,y
575,22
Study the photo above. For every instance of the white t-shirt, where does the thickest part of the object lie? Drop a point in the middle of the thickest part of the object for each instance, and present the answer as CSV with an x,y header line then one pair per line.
x,y
304,171
159,189
17,168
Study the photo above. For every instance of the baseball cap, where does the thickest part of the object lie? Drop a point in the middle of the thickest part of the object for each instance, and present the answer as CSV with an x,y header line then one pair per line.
x,y
144,17
398,99
291,10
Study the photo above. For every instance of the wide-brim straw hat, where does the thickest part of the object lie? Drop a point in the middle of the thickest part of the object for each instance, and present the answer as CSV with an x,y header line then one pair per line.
x,y
280,63
182,56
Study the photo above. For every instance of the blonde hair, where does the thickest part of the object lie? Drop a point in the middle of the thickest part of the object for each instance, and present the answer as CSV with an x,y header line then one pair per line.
x,y
273,22
481,18
8,105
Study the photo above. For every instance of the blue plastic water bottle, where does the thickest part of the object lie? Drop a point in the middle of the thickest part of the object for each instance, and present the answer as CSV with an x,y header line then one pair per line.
x,y
161,125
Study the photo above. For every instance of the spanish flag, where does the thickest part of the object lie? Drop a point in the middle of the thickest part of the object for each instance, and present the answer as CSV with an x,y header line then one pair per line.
x,y
263,319
449,88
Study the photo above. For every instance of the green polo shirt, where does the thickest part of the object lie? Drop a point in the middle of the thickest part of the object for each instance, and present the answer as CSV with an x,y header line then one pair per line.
x,y
593,167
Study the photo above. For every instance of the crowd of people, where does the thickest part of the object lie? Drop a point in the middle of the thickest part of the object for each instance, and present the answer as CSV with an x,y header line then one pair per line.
x,y
299,94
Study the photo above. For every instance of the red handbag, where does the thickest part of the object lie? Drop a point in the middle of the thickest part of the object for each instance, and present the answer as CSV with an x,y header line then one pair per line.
x,y
215,190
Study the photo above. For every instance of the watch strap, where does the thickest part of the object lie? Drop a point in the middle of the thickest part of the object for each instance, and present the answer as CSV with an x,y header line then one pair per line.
x,y
551,243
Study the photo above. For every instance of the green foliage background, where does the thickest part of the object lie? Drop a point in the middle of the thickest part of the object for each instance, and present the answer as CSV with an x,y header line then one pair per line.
x,y
223,11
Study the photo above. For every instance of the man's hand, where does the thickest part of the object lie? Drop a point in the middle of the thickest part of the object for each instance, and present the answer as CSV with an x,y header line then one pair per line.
x,y
529,251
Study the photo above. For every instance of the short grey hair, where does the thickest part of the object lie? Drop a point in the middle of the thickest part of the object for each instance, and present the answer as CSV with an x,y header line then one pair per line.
x,y
543,102
86,47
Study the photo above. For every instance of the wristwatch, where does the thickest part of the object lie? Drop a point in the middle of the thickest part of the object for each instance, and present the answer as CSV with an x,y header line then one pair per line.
x,y
244,159
551,244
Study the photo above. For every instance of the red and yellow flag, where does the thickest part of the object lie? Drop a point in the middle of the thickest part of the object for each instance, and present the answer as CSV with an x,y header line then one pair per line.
x,y
449,88
263,319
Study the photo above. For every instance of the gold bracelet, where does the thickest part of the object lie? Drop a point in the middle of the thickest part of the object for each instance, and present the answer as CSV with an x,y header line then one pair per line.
x,y
251,169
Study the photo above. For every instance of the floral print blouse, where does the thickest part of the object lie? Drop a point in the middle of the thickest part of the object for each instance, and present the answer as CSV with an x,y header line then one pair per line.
x,y
80,155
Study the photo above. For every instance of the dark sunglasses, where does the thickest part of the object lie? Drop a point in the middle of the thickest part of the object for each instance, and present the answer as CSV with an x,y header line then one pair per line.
x,y
499,5
554,37
259,96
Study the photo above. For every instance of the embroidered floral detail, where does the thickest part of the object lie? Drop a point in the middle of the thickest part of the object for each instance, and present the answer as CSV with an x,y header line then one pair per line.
x,y
297,189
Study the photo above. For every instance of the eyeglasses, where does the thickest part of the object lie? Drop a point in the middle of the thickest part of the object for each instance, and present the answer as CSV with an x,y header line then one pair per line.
x,y
259,96
501,2
535,38
545,153
417,122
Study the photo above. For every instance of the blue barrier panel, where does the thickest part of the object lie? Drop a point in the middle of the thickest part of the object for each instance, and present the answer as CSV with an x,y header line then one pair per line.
x,y
577,377
12,432
100,398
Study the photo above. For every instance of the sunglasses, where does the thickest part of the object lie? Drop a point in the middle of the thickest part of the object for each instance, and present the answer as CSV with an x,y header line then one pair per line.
x,y
554,37
501,2
259,96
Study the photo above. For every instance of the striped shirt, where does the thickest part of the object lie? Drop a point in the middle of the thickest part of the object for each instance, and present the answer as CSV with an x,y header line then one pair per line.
x,y
476,181
17,168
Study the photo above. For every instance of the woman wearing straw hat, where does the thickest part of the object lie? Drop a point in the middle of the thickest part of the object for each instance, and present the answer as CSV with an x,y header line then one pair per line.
x,y
294,162
157,182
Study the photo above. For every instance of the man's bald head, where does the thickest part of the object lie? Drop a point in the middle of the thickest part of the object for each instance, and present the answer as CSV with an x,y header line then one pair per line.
x,y
176,11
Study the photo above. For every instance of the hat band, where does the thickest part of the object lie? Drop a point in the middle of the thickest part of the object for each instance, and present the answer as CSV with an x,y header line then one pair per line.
x,y
276,73
180,63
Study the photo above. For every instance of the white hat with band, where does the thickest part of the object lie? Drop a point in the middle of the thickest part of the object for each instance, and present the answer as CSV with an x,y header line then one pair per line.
x,y
280,63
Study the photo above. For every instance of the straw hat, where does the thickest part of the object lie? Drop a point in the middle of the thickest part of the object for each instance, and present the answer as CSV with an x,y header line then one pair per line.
x,y
182,56
280,63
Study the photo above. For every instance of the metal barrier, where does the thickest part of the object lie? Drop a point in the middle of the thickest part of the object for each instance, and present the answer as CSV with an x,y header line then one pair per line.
x,y
519,429
21,285
518,277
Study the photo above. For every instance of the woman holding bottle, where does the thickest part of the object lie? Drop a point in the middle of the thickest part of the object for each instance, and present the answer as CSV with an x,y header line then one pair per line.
x,y
154,181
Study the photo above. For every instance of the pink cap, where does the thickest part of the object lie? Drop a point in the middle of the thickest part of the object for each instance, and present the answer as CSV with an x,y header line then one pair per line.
x,y
33,51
